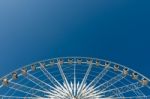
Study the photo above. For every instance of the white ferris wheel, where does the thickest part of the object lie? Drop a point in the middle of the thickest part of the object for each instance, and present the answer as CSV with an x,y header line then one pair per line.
x,y
74,78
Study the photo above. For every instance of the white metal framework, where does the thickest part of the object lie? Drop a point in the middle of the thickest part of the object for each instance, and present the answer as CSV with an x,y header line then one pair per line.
x,y
74,78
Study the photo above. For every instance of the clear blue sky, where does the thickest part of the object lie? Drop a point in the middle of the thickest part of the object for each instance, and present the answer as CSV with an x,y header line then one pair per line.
x,y
116,30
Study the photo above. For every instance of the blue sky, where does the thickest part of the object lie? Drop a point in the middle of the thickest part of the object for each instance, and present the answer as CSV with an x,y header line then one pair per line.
x,y
116,30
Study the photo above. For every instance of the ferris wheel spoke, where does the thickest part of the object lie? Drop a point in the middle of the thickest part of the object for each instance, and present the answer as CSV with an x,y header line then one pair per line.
x,y
84,80
16,97
133,97
64,79
91,97
94,95
60,95
98,77
49,76
97,92
110,82
107,84
96,80
55,93
38,82
52,79
26,89
138,92
59,90
123,89
75,83
42,83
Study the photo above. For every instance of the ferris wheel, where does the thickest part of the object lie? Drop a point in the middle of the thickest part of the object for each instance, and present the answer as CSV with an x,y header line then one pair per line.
x,y
74,78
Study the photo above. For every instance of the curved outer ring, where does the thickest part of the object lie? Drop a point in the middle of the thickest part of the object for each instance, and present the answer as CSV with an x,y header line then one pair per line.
x,y
85,58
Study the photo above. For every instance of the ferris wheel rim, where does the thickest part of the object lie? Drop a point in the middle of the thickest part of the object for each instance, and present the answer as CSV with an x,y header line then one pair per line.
x,y
76,58
86,60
